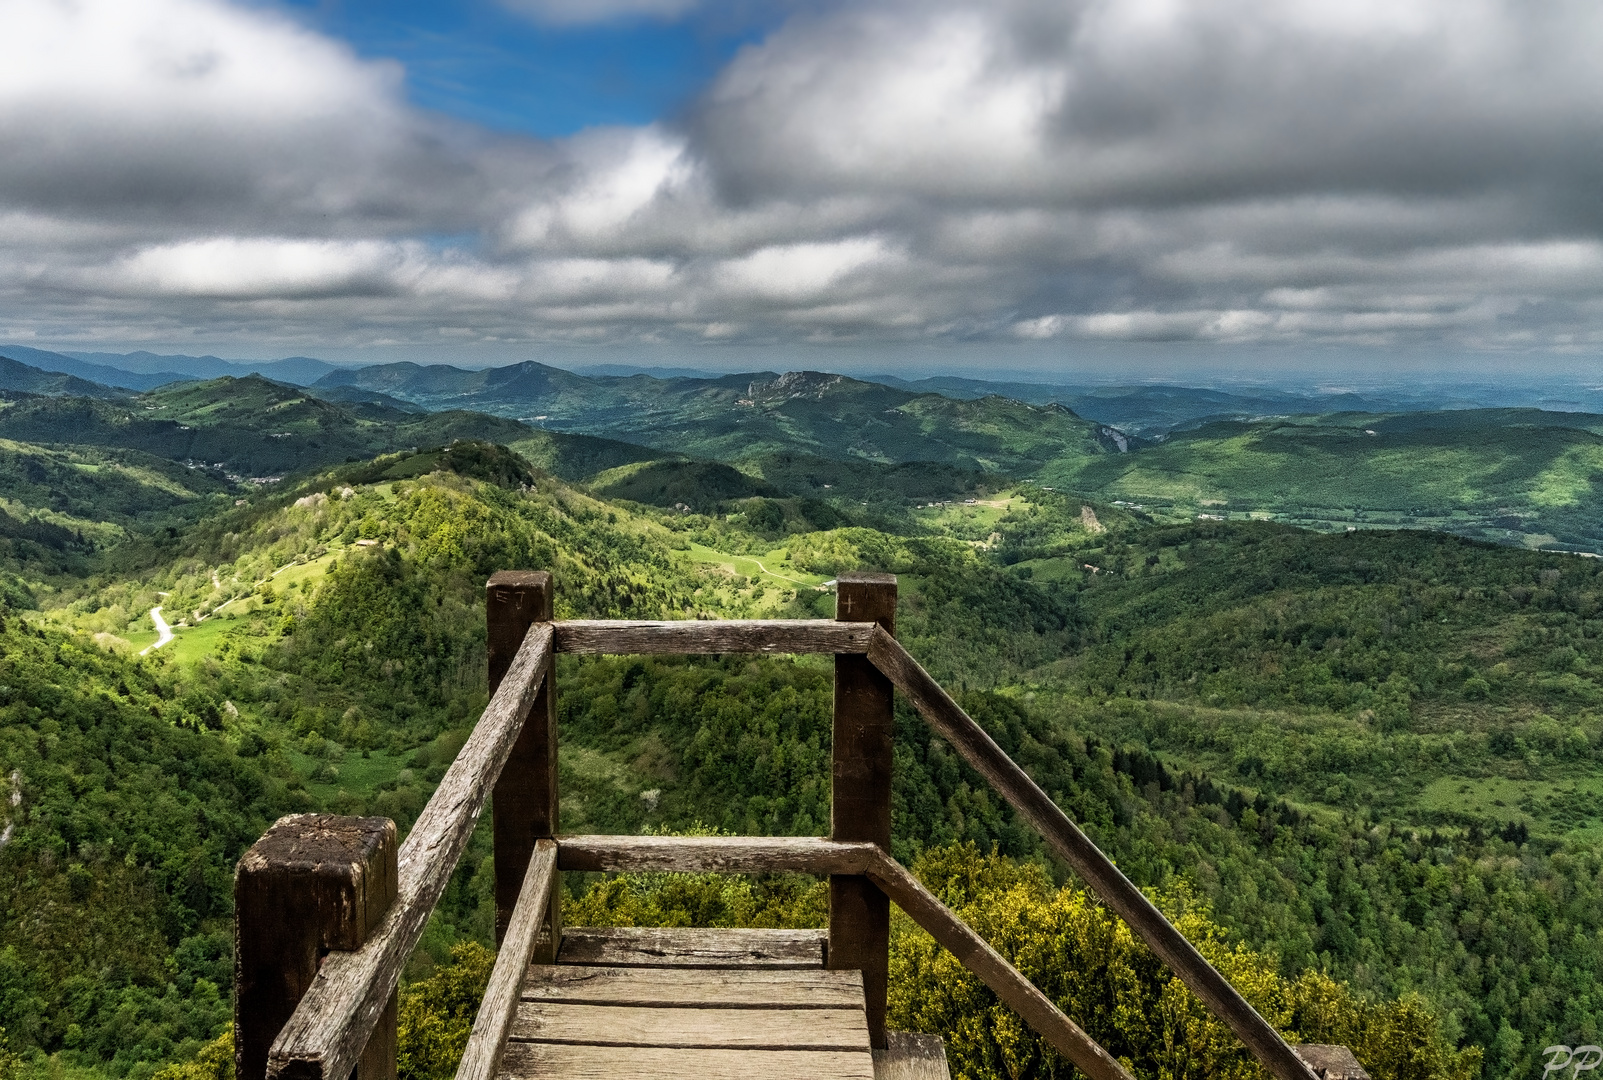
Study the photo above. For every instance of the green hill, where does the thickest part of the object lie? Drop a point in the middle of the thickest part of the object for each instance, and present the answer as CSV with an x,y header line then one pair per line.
x,y
254,427
1360,749
741,416
1375,755
21,377
1521,476
1508,475
125,809
73,499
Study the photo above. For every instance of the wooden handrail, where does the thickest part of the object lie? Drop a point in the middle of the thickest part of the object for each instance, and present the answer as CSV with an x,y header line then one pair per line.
x,y
488,1039
993,969
335,1019
326,1035
714,854
1096,869
704,636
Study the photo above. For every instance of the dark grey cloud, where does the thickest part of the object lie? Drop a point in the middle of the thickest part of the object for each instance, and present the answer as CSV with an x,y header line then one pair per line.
x,y
1241,171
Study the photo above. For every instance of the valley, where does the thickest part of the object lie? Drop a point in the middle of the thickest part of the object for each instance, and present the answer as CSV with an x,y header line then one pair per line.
x,y
1356,752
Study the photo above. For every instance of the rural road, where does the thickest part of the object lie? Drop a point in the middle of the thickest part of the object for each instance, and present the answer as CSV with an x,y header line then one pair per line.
x,y
781,577
164,633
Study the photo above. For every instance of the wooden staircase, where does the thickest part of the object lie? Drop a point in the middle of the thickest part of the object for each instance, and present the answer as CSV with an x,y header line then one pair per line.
x,y
329,909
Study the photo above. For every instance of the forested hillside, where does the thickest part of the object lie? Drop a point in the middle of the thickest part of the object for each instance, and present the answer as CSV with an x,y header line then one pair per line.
x,y
750,415
1371,758
1519,476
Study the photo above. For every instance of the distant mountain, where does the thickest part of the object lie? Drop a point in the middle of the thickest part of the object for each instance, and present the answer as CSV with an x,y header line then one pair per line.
x,y
32,380
1155,409
300,370
248,427
352,396
596,370
254,427
1151,409
96,373
735,417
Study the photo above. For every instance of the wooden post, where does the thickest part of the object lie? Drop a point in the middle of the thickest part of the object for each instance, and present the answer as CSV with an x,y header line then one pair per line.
x,y
312,884
859,913
525,798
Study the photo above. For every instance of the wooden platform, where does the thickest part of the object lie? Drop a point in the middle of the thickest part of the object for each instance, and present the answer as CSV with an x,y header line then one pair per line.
x,y
701,1005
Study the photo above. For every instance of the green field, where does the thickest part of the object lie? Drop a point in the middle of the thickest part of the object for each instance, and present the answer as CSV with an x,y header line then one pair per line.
x,y
773,566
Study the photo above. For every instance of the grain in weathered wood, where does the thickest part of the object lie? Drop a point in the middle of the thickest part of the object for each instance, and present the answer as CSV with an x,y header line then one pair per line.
x,y
525,800
1017,992
1331,1062
908,1056
500,1001
691,1029
713,854
635,946
312,883
691,988
329,1029
1095,868
860,805
539,1061
724,636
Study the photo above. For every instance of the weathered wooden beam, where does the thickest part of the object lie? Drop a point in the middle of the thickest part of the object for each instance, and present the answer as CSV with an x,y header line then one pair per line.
x,y
332,1024
483,1054
696,988
1017,992
312,883
911,1056
1096,869
691,1029
860,804
722,636
713,854
542,1061
692,947
1331,1062
524,807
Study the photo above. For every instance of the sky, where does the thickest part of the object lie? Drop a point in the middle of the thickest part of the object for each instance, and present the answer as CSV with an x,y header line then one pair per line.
x,y
932,185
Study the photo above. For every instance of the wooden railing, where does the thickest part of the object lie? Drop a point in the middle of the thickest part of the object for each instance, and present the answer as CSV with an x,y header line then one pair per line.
x,y
328,911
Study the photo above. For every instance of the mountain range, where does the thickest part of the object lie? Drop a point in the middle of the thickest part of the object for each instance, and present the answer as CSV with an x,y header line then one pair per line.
x,y
750,414
145,370
1522,476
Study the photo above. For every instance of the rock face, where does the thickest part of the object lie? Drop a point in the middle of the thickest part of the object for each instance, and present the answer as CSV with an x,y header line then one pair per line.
x,y
795,384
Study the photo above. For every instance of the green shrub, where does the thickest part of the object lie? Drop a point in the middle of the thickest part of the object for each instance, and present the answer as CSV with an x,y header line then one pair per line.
x,y
437,1014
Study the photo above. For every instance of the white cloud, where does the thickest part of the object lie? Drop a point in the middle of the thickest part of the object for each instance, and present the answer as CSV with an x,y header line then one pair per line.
x,y
576,12
799,271
260,267
1204,170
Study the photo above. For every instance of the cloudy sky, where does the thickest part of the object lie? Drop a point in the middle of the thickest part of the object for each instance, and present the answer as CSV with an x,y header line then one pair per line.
x,y
695,178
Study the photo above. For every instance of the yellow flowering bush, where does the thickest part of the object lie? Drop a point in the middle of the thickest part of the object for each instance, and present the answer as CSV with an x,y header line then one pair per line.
x,y
1088,962
437,1014
214,1061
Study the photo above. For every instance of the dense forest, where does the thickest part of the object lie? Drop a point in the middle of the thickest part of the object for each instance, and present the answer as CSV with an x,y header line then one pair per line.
x,y
1361,768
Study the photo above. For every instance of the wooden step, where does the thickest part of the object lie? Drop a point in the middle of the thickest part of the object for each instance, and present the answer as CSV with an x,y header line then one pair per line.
x,y
689,1005
750,988
684,1004
682,947
538,1061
